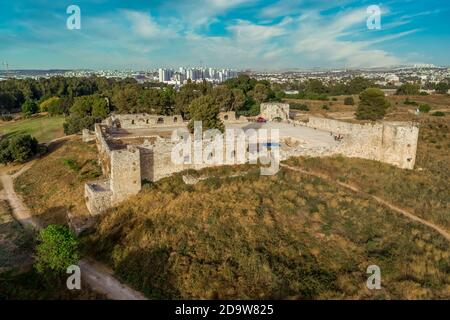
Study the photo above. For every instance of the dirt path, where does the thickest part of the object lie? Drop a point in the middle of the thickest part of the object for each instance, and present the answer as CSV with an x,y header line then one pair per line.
x,y
98,276
381,201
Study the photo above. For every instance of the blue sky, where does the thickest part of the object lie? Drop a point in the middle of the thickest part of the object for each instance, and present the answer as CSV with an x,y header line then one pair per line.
x,y
258,34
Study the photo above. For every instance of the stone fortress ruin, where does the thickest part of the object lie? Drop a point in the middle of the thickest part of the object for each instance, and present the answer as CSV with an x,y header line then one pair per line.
x,y
135,148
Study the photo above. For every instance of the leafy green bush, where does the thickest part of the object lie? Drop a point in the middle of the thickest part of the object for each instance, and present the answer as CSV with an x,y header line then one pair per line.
x,y
425,108
57,250
72,164
438,114
372,105
75,123
18,149
29,107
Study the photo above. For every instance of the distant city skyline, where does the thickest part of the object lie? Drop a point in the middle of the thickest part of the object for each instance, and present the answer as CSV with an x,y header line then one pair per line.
x,y
238,34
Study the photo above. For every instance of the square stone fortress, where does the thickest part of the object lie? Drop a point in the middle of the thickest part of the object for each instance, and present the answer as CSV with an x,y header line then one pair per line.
x,y
135,148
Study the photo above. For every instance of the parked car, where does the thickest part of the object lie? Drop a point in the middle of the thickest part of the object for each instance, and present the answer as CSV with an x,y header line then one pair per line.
x,y
261,120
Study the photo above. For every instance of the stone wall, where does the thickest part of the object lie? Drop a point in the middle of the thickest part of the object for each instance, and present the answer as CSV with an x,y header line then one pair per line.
x,y
125,173
230,117
143,121
391,142
98,197
273,110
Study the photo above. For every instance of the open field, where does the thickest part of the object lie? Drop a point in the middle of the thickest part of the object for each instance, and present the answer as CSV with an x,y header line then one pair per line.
x,y
398,111
54,185
43,128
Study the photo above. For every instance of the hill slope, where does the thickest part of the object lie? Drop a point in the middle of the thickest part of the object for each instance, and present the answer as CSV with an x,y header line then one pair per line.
x,y
286,236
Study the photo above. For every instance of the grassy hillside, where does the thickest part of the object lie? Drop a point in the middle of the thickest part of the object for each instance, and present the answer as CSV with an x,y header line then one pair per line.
x,y
285,236
14,242
55,184
43,128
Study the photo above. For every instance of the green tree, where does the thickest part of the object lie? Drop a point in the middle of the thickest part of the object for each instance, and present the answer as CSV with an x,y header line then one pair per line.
x,y
61,106
29,107
184,98
204,109
58,249
18,149
126,100
75,123
442,87
261,93
93,105
372,105
45,105
239,100
223,98
358,85
408,89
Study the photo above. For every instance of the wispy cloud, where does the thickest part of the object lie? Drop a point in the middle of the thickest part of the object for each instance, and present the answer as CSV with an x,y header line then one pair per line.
x,y
252,33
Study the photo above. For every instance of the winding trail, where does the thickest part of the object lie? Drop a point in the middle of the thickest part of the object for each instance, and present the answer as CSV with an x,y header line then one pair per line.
x,y
381,201
99,277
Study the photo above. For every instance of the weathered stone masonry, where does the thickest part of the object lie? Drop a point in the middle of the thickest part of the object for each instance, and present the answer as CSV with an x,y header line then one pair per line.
x,y
391,142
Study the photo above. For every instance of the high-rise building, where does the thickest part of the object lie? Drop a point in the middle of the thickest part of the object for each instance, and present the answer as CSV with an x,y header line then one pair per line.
x,y
165,75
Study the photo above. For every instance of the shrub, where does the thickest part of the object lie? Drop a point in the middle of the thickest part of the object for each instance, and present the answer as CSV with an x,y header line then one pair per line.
x,y
325,107
438,114
75,123
372,105
47,104
29,107
349,101
18,149
72,164
298,106
425,108
57,106
409,102
57,250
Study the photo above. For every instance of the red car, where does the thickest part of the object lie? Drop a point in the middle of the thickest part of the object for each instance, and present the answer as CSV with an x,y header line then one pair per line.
x,y
261,120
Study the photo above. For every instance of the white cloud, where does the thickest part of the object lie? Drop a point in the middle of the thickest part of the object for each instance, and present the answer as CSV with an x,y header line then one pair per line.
x,y
144,25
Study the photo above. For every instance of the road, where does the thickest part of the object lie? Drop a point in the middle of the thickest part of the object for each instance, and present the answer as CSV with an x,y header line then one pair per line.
x,y
98,276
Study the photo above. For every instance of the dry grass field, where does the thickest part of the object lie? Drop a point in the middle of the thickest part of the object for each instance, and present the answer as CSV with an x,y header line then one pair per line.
x,y
398,111
255,237
54,185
